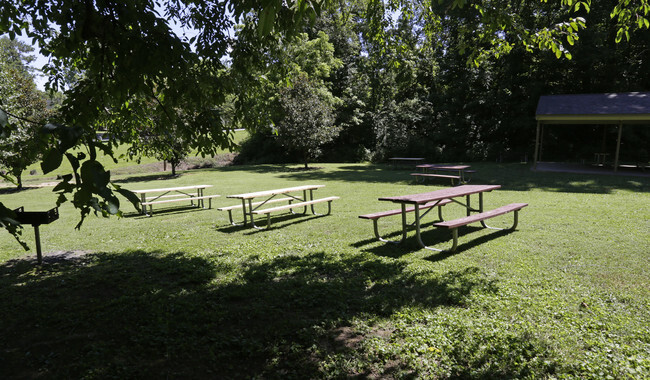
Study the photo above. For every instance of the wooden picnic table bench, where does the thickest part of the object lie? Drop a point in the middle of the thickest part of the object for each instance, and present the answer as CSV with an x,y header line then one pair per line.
x,y
174,194
250,208
431,171
438,198
378,215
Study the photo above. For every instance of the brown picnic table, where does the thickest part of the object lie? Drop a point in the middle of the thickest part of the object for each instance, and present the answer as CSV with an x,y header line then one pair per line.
x,y
302,195
436,171
428,201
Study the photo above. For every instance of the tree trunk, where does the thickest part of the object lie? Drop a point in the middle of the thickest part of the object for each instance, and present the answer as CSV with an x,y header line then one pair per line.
x,y
19,179
173,168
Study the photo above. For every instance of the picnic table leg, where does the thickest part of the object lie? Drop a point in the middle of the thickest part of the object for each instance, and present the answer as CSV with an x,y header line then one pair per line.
x,y
311,198
404,229
268,222
419,236
232,221
485,225
243,207
304,199
143,199
250,208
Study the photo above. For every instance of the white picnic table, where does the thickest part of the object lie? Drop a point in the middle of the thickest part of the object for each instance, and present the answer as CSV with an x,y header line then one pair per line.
x,y
193,193
433,170
303,195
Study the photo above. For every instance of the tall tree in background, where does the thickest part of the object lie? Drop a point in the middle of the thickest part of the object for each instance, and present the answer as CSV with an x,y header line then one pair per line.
x,y
307,121
21,142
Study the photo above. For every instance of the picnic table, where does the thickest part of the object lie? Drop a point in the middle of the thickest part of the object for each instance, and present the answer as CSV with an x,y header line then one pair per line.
x,y
302,195
433,170
600,159
405,160
192,194
438,198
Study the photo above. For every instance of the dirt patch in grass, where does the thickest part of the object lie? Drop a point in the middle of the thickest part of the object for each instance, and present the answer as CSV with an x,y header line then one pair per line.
x,y
56,257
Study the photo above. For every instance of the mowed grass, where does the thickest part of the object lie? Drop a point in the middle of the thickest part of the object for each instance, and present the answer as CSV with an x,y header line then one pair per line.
x,y
33,174
184,294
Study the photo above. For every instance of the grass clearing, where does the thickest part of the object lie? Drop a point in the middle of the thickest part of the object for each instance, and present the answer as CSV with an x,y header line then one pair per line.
x,y
185,294
33,175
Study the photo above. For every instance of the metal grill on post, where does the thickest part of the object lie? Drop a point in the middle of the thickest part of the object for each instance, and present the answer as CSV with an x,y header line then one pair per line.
x,y
36,218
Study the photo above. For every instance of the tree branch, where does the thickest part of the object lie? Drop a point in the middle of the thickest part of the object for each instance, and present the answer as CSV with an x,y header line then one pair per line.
x,y
19,117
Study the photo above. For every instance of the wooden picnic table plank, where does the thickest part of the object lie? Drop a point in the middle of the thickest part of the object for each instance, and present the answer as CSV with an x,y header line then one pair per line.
x,y
442,167
268,193
449,193
179,188
406,158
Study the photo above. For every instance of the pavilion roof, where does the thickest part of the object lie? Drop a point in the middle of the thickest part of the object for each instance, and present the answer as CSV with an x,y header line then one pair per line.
x,y
628,107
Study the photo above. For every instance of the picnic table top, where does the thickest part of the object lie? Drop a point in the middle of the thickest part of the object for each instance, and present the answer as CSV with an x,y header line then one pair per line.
x,y
171,189
437,195
267,193
443,167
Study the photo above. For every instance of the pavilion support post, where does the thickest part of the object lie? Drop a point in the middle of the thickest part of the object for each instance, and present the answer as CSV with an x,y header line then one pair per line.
x,y
541,141
618,145
536,145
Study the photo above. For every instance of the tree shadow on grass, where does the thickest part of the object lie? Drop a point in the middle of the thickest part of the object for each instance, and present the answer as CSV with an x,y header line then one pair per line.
x,y
512,176
351,173
437,238
169,210
277,222
148,178
152,315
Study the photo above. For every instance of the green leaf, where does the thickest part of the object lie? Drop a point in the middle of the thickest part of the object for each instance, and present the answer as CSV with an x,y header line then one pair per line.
x,y
267,18
130,196
112,205
51,161
51,128
4,119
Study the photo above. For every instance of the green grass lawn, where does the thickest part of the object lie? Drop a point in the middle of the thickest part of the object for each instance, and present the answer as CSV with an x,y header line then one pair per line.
x,y
184,294
34,174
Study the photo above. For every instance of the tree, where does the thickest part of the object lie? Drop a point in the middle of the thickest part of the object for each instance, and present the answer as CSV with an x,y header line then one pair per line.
x,y
162,143
289,93
25,107
308,118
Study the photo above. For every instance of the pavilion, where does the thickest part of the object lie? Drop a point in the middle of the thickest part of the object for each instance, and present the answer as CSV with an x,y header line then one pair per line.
x,y
614,108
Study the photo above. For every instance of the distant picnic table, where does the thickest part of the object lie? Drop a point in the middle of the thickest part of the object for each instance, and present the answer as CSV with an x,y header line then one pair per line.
x,y
433,171
302,195
194,193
